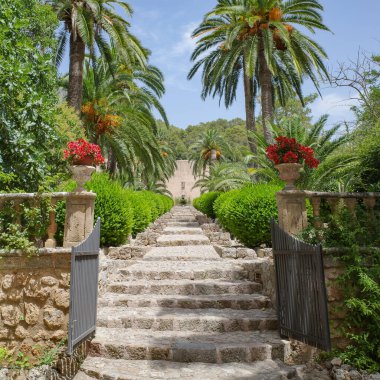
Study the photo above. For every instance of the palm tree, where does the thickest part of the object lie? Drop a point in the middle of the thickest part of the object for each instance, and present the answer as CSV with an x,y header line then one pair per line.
x,y
209,149
328,149
118,115
224,176
260,36
85,24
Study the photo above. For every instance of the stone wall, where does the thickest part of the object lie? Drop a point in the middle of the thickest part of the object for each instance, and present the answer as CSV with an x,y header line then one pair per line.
x,y
335,300
34,301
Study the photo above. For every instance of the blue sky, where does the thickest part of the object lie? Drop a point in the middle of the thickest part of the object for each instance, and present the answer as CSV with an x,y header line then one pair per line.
x,y
165,26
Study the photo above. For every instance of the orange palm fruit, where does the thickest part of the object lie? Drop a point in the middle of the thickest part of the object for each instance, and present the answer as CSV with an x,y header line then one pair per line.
x,y
275,14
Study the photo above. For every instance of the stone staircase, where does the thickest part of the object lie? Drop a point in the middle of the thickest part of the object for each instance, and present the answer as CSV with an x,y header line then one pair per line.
x,y
182,311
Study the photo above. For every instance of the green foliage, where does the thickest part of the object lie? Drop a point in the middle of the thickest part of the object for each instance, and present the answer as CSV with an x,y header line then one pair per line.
x,y
326,146
205,203
122,211
247,212
23,229
359,241
28,93
42,355
225,177
142,211
114,209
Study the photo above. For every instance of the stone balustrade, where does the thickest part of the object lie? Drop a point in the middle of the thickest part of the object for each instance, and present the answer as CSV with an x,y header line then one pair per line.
x,y
79,217
292,210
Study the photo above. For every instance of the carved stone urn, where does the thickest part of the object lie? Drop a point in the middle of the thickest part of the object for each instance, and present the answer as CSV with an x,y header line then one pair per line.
x,y
289,173
81,175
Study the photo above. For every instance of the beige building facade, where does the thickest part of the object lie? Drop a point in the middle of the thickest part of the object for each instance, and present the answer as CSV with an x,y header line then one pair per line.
x,y
181,184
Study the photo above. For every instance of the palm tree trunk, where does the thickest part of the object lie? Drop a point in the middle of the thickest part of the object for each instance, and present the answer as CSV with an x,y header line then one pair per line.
x,y
77,51
250,121
111,165
266,94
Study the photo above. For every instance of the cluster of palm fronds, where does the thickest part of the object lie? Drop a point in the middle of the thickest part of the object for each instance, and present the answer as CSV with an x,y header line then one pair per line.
x,y
112,85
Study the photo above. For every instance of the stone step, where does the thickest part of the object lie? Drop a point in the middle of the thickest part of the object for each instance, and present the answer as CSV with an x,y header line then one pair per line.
x,y
199,320
185,287
234,301
180,240
188,346
183,224
120,369
182,270
186,219
184,253
179,230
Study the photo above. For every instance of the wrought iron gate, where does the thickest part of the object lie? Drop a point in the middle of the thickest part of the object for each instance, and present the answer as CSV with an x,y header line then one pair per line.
x,y
84,288
301,291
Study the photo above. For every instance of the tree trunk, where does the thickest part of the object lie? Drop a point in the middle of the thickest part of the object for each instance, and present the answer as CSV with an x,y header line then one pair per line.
x,y
250,121
266,94
77,52
111,164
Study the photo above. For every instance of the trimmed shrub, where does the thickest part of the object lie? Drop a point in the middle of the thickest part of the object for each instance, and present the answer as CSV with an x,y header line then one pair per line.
x,y
205,203
247,212
114,209
123,211
142,211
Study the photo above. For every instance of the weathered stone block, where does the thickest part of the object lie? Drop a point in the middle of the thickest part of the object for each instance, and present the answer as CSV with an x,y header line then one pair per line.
x,y
7,281
49,281
11,315
32,312
53,318
61,298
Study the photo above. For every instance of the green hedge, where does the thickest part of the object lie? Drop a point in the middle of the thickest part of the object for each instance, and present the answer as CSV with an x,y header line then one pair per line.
x,y
247,212
114,209
205,203
124,212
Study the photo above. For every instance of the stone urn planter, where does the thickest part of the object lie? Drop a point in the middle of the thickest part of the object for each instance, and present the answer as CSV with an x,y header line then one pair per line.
x,y
289,173
81,175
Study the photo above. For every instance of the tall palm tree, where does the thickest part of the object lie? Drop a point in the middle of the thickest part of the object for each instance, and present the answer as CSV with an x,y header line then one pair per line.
x,y
273,53
118,114
208,149
85,24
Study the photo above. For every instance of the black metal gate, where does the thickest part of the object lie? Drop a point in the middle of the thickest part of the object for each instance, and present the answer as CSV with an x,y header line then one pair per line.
x,y
84,288
301,291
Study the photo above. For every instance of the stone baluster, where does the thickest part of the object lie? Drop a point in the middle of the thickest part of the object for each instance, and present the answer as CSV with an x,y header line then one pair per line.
x,y
52,228
334,204
370,203
17,207
350,203
316,204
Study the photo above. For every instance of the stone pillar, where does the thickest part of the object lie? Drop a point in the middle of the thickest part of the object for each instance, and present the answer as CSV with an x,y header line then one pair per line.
x,y
79,220
292,212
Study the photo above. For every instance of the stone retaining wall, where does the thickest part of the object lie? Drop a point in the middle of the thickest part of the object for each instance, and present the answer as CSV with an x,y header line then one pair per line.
x,y
34,301
335,300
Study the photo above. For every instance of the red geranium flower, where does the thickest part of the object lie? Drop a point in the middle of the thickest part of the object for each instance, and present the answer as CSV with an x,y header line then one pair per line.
x,y
81,150
289,150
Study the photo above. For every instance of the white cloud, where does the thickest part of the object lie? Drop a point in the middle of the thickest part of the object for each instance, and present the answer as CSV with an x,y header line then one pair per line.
x,y
186,43
335,105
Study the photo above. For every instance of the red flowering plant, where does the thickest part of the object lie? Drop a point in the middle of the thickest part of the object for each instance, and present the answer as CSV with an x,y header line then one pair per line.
x,y
81,152
288,150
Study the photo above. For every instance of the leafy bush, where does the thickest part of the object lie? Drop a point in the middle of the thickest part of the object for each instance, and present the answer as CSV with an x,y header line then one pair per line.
x,y
122,211
205,203
359,241
114,209
142,211
247,212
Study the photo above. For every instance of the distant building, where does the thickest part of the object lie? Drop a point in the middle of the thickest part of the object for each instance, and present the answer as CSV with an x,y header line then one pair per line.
x,y
182,182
